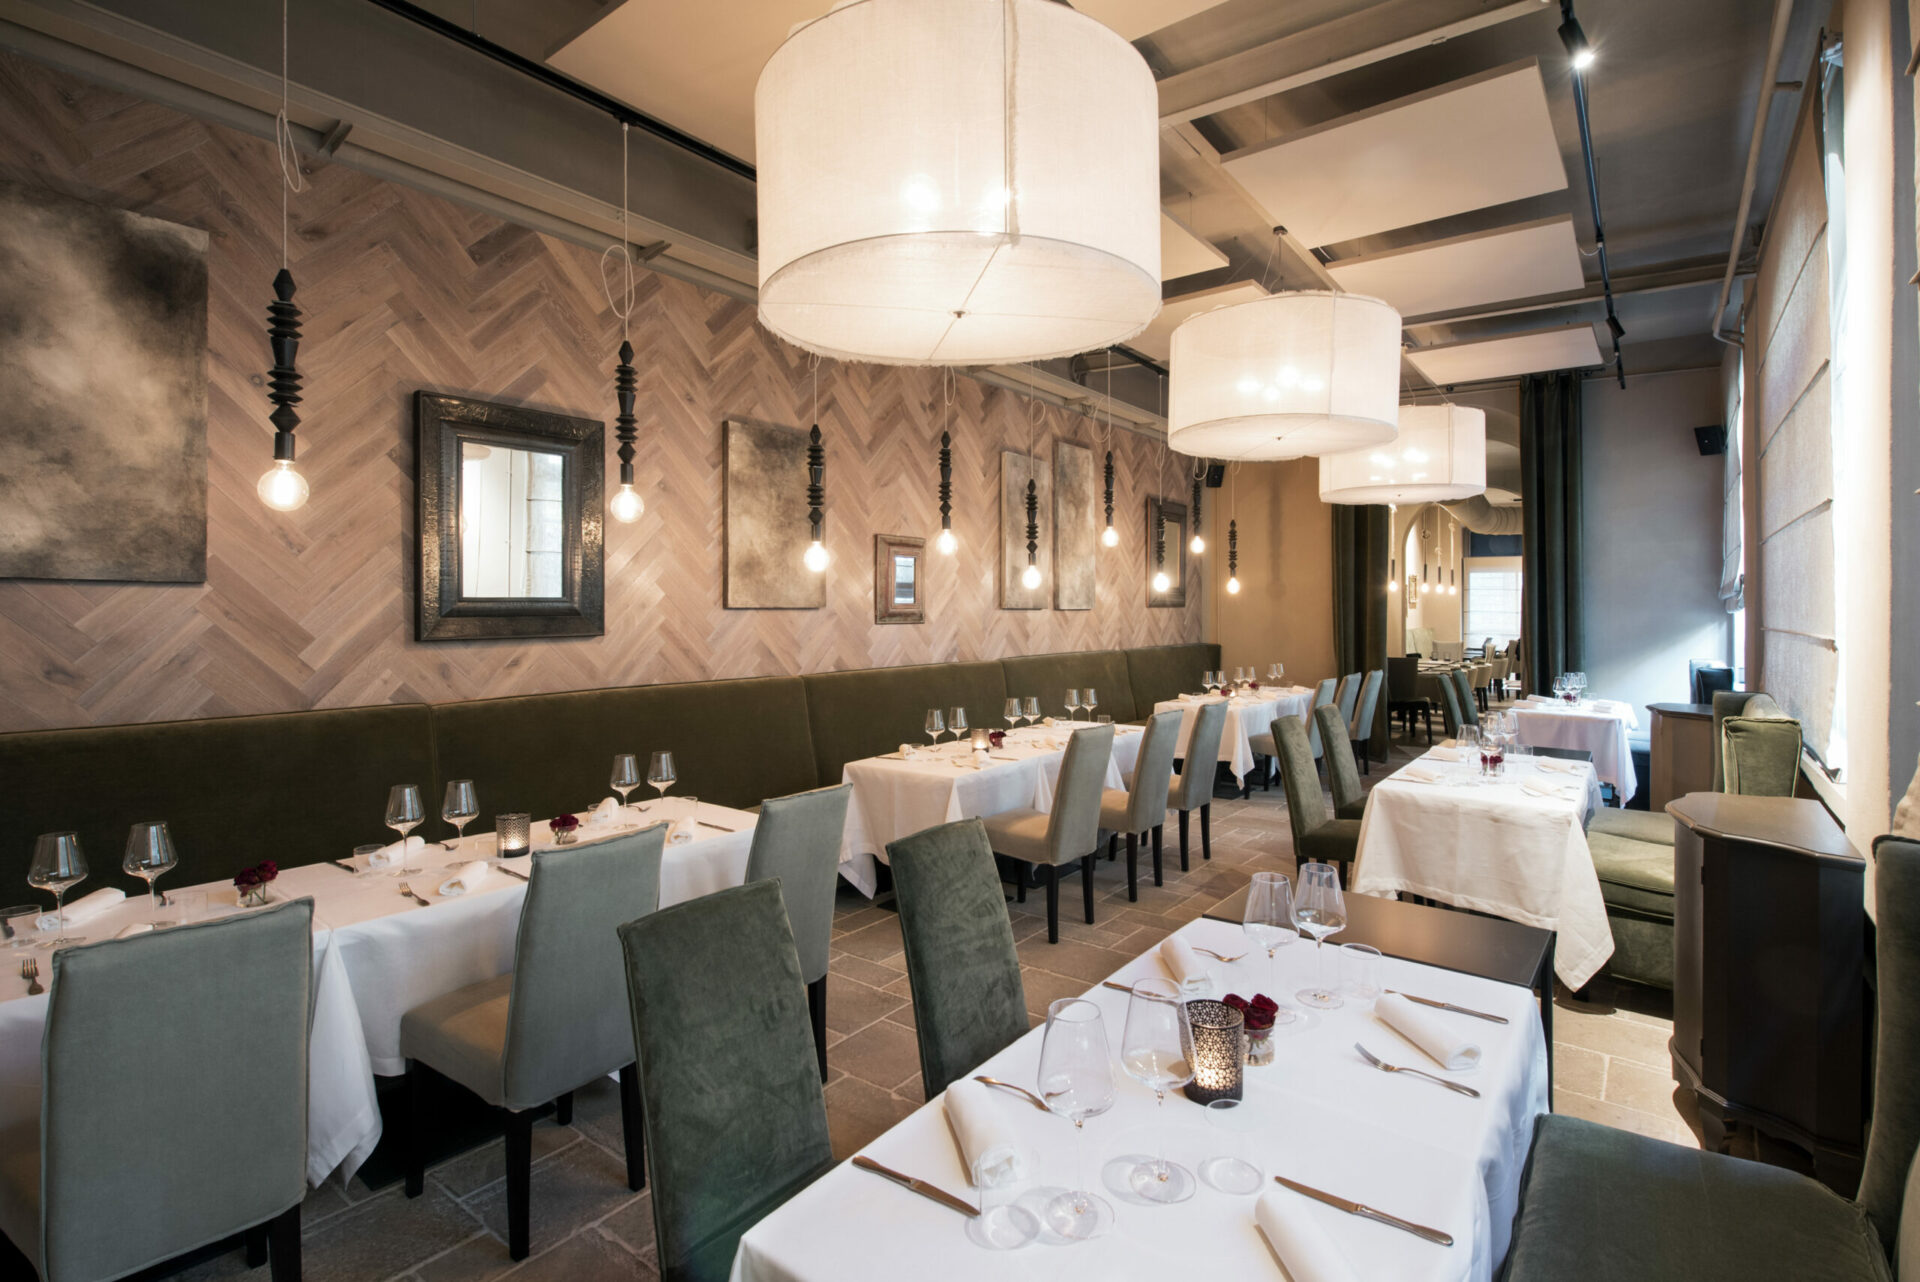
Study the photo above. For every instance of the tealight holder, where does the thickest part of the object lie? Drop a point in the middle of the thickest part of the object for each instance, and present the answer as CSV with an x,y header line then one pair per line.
x,y
1218,1049
515,834
982,739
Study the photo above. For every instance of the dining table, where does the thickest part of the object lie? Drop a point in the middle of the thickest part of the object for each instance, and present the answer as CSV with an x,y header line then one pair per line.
x,y
1249,713
378,952
896,795
1514,846
1599,726
1318,1114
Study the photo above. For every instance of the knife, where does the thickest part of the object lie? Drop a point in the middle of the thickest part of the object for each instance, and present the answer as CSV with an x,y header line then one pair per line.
x,y
704,824
921,1187
1458,1010
1366,1212
511,873
344,866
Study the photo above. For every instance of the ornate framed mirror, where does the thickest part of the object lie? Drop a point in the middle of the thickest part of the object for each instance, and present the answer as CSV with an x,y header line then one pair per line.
x,y
899,586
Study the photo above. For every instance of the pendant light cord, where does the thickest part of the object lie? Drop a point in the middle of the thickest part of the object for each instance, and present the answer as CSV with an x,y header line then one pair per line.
x,y
1010,63
291,179
624,307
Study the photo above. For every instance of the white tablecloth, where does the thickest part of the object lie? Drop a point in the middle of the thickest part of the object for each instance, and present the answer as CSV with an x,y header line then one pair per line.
x,y
1323,1118
893,798
1247,715
1600,728
376,955
1495,848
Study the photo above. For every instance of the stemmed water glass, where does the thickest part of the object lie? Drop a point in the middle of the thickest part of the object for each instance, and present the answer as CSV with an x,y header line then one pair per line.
x,y
1089,699
1320,910
1030,708
58,865
460,807
1276,672
1076,1081
1157,1049
1269,917
626,776
149,853
1011,713
1073,705
957,722
936,725
404,814
1579,685
660,773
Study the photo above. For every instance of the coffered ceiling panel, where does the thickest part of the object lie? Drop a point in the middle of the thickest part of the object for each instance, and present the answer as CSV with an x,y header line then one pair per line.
x,y
1523,261
1136,18
1156,340
1182,253
1570,347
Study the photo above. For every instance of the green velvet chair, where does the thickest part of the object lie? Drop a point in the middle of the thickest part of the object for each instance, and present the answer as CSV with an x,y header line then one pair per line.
x,y
1318,837
1141,807
736,1120
1469,710
1343,776
1598,1203
555,1022
1360,729
1066,835
1192,789
173,1108
1349,695
968,1000
1451,718
797,841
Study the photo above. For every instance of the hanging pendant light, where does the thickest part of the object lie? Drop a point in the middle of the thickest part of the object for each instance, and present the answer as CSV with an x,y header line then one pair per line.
x,y
281,487
957,182
946,543
1198,543
1440,455
1285,376
1109,537
1393,581
1233,558
626,504
815,558
1030,577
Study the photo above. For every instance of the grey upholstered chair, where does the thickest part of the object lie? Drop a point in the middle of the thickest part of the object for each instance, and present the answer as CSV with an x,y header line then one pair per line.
x,y
1192,789
1451,718
968,1000
1349,694
1069,833
555,1022
1360,730
736,1120
1597,1203
1324,694
797,839
1462,681
1317,835
1404,699
1265,750
1343,776
139,1153
1142,805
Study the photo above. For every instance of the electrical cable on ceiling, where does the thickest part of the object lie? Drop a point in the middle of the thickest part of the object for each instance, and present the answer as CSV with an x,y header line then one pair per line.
x,y
1580,56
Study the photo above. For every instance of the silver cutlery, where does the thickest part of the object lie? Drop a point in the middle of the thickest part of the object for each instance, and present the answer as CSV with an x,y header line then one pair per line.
x,y
1119,988
1458,1010
30,971
1365,1212
1216,956
924,1189
407,890
344,866
1031,1098
1385,1067
718,827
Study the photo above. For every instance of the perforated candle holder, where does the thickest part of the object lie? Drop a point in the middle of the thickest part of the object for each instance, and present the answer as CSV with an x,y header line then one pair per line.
x,y
1219,1035
514,833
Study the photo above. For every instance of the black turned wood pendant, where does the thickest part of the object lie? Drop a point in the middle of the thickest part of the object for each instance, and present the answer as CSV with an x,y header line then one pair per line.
x,y
1233,548
816,482
283,337
1033,519
946,481
1159,538
1197,524
623,391
1109,489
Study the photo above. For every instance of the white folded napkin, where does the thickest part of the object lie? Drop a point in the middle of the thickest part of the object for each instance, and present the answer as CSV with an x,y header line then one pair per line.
x,y
1556,766
396,852
1188,968
1418,774
988,1147
1445,754
1427,1030
137,928
908,751
1192,698
470,877
604,815
1285,1218
1448,743
84,909
1539,788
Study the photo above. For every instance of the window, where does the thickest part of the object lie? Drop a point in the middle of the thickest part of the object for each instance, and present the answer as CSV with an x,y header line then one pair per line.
x,y
1493,603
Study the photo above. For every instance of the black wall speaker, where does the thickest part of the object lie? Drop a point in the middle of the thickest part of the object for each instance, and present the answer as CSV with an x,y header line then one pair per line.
x,y
1216,475
1712,440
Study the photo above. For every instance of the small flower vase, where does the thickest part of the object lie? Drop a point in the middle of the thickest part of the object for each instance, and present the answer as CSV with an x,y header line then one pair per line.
x,y
1259,1047
254,896
565,837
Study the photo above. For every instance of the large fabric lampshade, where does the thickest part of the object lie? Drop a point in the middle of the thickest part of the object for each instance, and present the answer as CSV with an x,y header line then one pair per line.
x,y
957,182
1439,456
1286,376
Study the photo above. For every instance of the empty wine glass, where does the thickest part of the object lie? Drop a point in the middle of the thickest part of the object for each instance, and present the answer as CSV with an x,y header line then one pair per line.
x,y
459,807
957,722
1231,1123
1269,917
1089,700
16,926
626,776
660,774
1011,714
1030,708
936,725
404,814
149,853
1157,1049
58,865
1073,705
1076,1081
1320,910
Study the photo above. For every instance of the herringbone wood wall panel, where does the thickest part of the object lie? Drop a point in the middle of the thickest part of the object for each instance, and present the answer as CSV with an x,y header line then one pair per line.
x,y
403,291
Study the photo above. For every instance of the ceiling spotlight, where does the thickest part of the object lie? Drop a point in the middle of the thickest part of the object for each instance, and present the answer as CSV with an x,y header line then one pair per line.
x,y
1618,330
1579,52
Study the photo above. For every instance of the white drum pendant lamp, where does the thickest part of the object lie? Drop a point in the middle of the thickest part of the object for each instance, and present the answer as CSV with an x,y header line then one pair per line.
x,y
957,182
1439,456
1293,374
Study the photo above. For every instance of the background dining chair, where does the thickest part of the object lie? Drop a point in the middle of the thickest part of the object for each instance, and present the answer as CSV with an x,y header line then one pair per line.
x,y
1343,776
1463,687
736,1119
1360,730
1349,693
797,840
1192,788
962,970
1451,718
1404,699
173,1105
1070,833
1142,805
1324,694
555,1022
1317,835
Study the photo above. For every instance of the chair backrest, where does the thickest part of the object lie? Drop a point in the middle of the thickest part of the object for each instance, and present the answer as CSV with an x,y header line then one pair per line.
x,y
1469,711
1362,724
797,839
1403,679
1202,761
1761,755
173,1090
1073,829
1449,703
1153,771
1737,703
1889,1180
736,1121
1349,692
1343,772
1306,807
566,1024
968,1000
1322,694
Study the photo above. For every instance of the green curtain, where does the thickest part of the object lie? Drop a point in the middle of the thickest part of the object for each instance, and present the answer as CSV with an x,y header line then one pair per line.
x,y
1550,501
1362,539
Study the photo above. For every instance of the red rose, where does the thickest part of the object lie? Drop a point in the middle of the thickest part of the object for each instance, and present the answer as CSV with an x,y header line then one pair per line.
x,y
1236,1001
997,737
1264,1003
246,879
564,823
267,869
1253,685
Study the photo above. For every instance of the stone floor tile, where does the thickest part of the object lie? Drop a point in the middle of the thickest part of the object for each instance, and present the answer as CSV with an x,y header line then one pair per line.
x,y
467,1174
388,1234
859,1112
577,1187
851,1005
589,1256
1581,1071
883,1054
1646,1089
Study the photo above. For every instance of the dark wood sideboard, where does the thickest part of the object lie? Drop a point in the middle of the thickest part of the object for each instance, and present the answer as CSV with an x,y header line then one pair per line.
x,y
1679,752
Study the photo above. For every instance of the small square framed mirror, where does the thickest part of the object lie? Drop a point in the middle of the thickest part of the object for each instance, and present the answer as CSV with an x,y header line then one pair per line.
x,y
899,587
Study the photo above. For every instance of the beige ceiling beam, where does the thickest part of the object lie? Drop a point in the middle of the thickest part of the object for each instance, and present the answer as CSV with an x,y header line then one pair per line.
x,y
1654,281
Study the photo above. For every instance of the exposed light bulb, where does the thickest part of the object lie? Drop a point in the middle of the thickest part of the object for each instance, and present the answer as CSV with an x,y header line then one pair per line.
x,y
1197,546
282,488
1161,582
816,557
947,544
1030,577
1233,585
1423,589
1393,585
1110,537
1452,591
1583,59
626,505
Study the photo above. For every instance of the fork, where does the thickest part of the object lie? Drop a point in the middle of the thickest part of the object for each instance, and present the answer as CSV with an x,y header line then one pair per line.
x,y
1216,956
1385,1067
30,971
407,890
1030,1097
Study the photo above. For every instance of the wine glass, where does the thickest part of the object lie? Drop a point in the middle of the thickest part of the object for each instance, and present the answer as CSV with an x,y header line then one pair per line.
x,y
1089,699
1076,1081
58,865
1269,917
1073,705
1011,713
957,722
1030,708
936,725
1157,1049
1320,910
404,814
1275,672
626,776
149,853
660,773
16,926
460,807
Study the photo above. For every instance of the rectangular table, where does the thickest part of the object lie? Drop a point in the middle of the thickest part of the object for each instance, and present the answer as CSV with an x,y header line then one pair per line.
x,y
376,955
1247,715
1600,728
1321,1115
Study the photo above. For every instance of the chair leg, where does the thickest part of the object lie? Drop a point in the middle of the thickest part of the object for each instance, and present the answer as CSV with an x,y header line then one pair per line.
x,y
1366,755
256,1239
1053,904
817,1013
1019,881
1183,841
283,1244
1113,846
1206,831
1133,867
563,1110
416,1139
633,1120
1158,879
1086,885
1266,774
519,1181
